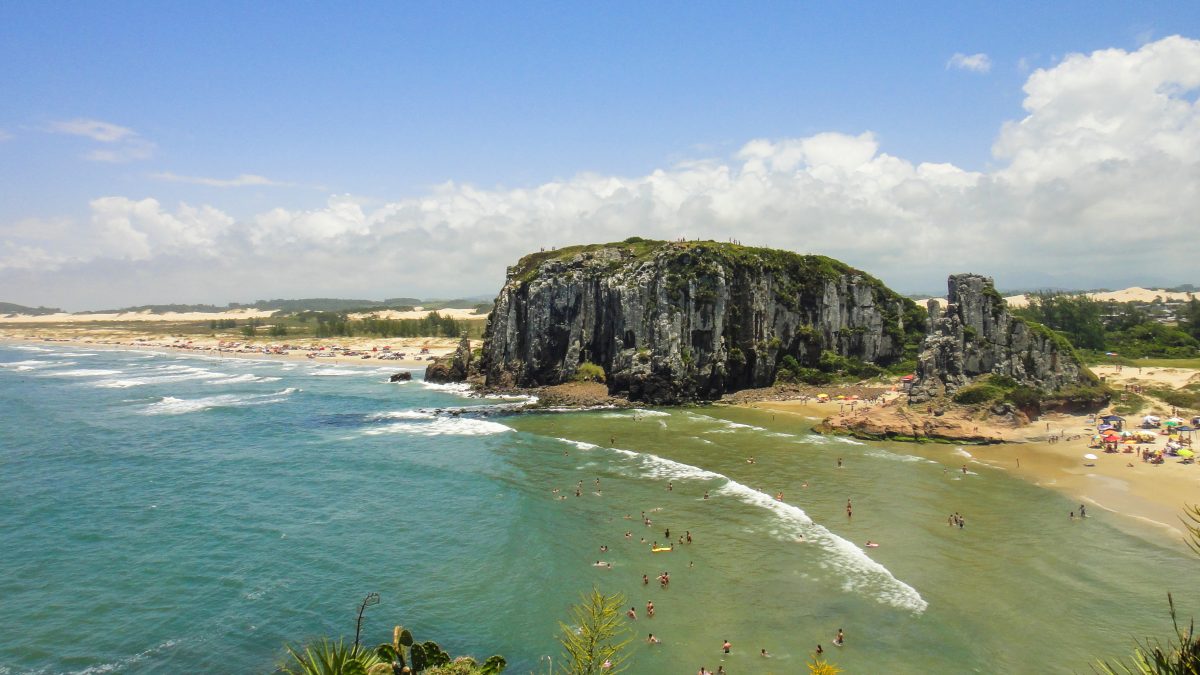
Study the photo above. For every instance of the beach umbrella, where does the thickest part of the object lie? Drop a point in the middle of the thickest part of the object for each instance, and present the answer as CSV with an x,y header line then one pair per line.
x,y
1174,422
1113,418
1185,453
1090,456
1184,428
1103,427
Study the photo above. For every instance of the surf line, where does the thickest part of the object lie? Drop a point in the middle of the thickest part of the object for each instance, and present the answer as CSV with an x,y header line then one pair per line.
x,y
860,573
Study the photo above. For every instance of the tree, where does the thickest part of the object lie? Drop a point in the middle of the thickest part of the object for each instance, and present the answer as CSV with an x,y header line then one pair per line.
x,y
1188,317
596,643
1180,656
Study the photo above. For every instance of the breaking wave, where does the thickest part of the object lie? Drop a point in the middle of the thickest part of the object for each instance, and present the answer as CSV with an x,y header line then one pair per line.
x,y
170,405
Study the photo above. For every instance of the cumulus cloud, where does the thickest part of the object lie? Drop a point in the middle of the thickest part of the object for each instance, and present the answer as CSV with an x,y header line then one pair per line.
x,y
976,63
243,180
1094,186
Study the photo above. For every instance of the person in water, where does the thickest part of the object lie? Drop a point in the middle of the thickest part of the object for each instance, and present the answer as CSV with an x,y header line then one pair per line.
x,y
1082,511
652,640
819,650
688,534
840,639
645,580
632,613
649,609
839,462
763,653
726,646
706,494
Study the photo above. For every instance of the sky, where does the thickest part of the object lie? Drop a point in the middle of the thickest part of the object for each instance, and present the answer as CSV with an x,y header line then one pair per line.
x,y
227,152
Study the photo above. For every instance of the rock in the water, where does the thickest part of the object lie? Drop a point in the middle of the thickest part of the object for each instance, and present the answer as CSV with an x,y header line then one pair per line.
x,y
678,321
453,367
977,336
403,376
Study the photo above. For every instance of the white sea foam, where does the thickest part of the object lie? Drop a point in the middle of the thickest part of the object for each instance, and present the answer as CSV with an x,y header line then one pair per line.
x,y
642,412
75,354
84,372
450,387
728,425
580,445
31,348
860,573
246,377
963,453
174,374
884,454
124,664
402,415
442,426
170,405
29,364
847,440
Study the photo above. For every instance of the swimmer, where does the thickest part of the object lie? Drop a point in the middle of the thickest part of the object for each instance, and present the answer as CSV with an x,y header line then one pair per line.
x,y
670,487
645,580
667,534
649,609
779,496
763,653
804,484
688,533
964,468
819,650
603,549
726,646
871,544
706,494
653,640
839,466
632,613
840,639
750,460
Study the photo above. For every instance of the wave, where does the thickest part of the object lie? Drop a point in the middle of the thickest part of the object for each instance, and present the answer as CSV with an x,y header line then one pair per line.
x,y
442,426
461,388
175,374
846,440
31,348
237,379
579,445
124,664
84,372
728,425
169,405
402,415
76,354
339,372
29,364
963,453
860,573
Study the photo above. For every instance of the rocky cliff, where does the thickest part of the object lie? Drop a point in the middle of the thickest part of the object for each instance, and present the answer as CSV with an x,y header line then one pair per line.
x,y
671,322
976,335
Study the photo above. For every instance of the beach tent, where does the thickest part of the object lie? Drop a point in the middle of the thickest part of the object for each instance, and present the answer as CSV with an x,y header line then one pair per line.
x,y
1151,419
1104,427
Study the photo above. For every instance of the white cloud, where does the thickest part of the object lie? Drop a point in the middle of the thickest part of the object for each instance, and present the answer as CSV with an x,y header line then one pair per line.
x,y
5,136
243,180
1095,186
104,132
976,63
121,143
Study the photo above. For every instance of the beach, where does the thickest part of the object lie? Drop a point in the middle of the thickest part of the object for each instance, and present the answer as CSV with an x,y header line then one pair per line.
x,y
1153,494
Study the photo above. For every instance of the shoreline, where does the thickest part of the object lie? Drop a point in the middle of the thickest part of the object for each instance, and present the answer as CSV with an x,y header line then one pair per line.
x,y
1155,494
343,351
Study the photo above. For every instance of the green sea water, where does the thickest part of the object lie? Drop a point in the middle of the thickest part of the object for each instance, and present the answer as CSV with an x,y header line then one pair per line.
x,y
172,513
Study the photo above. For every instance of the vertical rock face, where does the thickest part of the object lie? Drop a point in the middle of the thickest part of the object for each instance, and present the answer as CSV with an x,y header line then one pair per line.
x,y
977,336
678,321
454,367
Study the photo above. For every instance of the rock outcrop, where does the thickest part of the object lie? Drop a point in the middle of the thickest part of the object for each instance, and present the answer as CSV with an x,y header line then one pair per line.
x,y
976,335
454,367
402,376
671,322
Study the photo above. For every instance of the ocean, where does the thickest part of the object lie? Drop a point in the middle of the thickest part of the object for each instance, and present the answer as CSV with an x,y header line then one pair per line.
x,y
166,512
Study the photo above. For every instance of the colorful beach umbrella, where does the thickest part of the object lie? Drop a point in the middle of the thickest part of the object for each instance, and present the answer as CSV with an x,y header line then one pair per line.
x,y
1185,453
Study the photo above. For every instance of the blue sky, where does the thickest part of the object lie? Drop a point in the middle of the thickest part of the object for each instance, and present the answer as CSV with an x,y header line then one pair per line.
x,y
347,117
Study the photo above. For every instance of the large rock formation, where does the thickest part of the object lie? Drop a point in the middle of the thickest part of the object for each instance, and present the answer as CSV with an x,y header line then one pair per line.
x,y
977,336
454,367
677,321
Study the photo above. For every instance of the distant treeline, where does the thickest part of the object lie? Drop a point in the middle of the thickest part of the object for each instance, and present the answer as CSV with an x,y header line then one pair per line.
x,y
11,308
347,305
331,324
1134,330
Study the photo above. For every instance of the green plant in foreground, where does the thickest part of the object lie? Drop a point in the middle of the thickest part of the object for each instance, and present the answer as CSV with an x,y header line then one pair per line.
x,y
327,657
595,644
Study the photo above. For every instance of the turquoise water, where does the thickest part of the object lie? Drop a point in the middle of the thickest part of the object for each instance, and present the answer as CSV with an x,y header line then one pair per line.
x,y
163,512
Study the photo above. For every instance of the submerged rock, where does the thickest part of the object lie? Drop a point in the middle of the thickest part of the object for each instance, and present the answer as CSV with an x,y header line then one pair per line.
x,y
403,376
670,322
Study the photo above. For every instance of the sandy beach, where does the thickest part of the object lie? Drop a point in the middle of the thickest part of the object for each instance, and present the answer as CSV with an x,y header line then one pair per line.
x,y
1152,493
404,353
